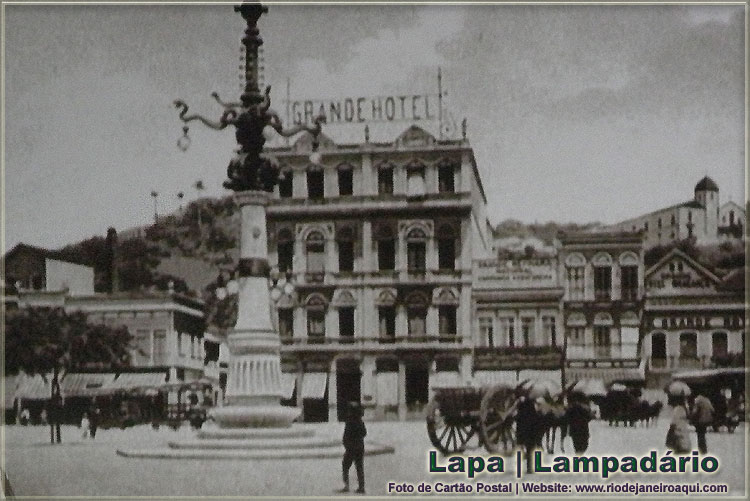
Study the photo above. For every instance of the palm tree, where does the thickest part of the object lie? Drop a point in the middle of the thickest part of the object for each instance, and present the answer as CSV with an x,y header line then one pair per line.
x,y
155,195
52,343
180,196
199,187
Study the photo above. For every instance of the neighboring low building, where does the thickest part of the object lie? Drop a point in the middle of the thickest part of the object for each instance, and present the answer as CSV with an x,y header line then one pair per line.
x,y
602,275
692,318
32,268
168,328
517,320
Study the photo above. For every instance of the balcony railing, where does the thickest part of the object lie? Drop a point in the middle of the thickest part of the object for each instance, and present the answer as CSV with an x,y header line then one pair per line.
x,y
370,340
697,362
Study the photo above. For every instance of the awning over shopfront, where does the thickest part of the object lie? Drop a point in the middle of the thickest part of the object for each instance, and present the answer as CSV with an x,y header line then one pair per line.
x,y
288,383
131,381
710,374
554,376
314,384
490,378
33,388
606,374
85,385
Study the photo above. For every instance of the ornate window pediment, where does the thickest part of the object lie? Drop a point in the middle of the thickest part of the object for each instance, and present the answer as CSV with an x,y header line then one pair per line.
x,y
628,259
603,319
445,296
602,259
576,320
386,297
344,298
575,260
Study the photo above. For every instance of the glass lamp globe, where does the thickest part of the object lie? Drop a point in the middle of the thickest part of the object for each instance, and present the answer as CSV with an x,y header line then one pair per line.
x,y
288,288
221,293
233,287
275,294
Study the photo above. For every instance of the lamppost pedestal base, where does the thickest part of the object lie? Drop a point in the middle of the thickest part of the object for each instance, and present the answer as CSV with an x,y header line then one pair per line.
x,y
256,416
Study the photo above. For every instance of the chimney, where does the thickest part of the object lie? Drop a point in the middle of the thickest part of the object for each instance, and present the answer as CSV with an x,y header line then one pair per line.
x,y
111,270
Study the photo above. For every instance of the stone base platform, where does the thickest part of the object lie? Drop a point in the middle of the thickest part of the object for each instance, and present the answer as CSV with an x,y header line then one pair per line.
x,y
371,449
296,442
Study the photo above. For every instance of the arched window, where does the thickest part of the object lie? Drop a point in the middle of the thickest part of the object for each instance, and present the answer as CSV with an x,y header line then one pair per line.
x,y
416,308
345,241
574,264
285,249
602,277
315,250
385,301
316,306
446,240
719,344
688,346
386,243
602,335
658,349
416,250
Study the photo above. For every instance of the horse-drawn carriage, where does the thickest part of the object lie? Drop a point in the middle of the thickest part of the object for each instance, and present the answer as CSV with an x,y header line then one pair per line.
x,y
456,415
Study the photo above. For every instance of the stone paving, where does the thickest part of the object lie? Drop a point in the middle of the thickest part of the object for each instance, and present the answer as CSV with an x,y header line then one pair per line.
x,y
84,467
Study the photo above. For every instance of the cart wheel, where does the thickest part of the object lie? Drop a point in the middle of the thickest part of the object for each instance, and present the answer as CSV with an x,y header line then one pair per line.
x,y
448,438
497,425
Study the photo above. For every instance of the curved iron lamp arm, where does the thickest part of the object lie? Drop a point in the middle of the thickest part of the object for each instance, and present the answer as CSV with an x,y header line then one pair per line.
x,y
226,118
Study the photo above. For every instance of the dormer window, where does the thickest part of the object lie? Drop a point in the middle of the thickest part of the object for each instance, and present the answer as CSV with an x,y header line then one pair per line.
x,y
446,178
345,175
315,184
286,185
385,180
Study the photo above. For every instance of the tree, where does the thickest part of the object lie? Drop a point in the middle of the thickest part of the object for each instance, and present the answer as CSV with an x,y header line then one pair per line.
x,y
199,187
52,343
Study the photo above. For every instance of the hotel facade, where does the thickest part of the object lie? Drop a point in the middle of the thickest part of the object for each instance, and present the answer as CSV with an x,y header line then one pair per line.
x,y
379,243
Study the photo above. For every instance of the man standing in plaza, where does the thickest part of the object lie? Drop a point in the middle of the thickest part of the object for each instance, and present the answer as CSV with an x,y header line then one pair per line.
x,y
702,416
354,446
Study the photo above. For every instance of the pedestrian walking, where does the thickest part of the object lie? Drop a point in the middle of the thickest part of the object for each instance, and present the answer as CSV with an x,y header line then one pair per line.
x,y
578,415
701,416
678,436
85,426
528,429
354,447
94,418
54,417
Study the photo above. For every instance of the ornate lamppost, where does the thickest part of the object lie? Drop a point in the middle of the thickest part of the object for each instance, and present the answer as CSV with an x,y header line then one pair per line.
x,y
254,381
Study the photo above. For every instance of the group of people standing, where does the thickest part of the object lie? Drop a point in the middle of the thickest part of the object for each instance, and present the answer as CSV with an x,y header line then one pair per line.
x,y
700,415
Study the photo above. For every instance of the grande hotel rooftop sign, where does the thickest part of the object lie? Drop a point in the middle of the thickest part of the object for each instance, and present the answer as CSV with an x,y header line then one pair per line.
x,y
402,108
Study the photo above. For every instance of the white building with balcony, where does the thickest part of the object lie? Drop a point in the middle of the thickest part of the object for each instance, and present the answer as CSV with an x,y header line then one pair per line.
x,y
379,242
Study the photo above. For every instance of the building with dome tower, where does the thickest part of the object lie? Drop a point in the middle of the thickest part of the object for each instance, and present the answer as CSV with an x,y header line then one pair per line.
x,y
703,218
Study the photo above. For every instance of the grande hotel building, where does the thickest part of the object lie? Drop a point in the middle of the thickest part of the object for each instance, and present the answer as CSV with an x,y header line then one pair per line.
x,y
379,243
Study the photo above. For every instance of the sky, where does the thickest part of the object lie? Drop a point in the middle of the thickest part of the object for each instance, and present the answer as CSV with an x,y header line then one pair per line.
x,y
575,113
